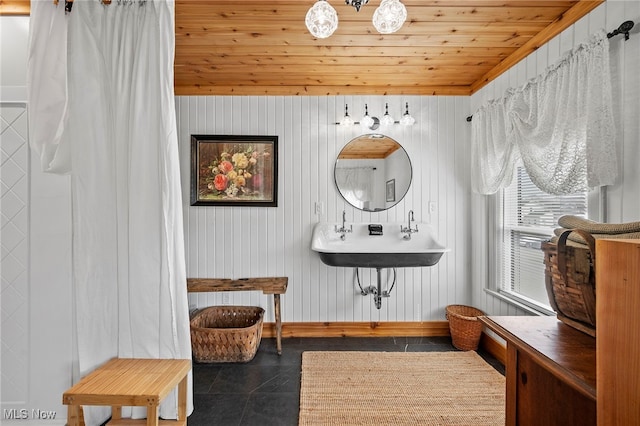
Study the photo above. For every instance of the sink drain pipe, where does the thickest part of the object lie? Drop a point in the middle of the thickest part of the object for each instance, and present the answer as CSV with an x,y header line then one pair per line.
x,y
377,291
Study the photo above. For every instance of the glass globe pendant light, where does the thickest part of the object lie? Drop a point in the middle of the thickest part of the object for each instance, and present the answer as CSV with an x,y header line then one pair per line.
x,y
407,119
387,120
346,120
389,16
322,19
366,122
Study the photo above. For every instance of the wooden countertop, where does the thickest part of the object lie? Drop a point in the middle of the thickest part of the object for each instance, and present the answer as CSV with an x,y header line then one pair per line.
x,y
567,353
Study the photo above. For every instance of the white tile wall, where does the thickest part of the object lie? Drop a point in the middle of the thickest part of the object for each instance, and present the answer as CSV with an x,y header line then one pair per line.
x,y
14,259
236,242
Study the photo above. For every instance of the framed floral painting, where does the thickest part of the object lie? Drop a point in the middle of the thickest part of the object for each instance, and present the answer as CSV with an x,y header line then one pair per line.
x,y
234,170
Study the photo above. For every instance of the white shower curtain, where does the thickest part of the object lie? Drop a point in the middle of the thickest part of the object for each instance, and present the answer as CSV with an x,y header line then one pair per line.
x,y
560,123
355,184
119,125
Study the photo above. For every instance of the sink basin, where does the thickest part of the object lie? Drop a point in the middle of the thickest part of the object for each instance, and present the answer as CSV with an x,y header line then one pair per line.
x,y
390,250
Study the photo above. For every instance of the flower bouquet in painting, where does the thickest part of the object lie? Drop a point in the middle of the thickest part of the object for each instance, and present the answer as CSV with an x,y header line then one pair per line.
x,y
233,170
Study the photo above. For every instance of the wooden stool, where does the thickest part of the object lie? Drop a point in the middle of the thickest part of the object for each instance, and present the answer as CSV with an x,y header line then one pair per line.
x,y
275,286
131,382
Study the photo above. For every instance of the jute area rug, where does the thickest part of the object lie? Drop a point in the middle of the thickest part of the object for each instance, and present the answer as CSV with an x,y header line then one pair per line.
x,y
400,388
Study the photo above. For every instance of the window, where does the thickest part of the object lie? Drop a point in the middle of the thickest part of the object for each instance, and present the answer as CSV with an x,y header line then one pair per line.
x,y
529,217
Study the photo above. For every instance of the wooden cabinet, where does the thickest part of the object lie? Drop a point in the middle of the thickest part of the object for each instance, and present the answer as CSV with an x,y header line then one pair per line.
x,y
550,371
618,331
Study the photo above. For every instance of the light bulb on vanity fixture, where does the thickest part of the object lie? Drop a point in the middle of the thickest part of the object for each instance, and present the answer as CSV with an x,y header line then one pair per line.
x,y
346,120
407,119
369,122
387,120
322,19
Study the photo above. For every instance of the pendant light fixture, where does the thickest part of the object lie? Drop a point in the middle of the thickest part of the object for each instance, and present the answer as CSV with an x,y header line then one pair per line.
x,y
322,19
390,16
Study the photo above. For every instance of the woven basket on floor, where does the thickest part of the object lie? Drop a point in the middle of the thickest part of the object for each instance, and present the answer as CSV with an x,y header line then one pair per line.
x,y
464,326
226,333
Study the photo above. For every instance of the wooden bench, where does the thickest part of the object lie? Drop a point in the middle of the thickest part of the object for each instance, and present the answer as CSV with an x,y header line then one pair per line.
x,y
273,285
130,382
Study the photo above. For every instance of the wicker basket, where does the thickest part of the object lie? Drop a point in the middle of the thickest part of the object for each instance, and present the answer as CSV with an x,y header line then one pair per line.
x,y
570,280
226,333
464,326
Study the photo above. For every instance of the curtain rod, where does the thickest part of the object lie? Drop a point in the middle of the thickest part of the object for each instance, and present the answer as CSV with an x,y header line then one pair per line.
x,y
68,4
624,28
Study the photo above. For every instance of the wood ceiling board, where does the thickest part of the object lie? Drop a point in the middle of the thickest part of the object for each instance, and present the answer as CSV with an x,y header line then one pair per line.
x,y
15,7
406,61
200,51
292,11
290,90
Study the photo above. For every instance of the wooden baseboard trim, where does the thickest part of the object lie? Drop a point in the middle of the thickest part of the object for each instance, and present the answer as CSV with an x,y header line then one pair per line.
x,y
358,329
379,329
493,347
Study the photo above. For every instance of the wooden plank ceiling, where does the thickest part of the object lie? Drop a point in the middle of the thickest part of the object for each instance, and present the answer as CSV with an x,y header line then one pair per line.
x,y
454,47
446,47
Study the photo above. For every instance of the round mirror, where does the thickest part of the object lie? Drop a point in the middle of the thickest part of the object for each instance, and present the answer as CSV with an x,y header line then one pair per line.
x,y
373,172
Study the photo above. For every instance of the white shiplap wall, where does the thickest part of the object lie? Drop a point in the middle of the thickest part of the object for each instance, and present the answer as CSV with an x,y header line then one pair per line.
x,y
624,197
237,242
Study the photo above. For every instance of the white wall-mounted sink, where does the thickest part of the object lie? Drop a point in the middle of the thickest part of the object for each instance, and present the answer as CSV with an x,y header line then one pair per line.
x,y
390,250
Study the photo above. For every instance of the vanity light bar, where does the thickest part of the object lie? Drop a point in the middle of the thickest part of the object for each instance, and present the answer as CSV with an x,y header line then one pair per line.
x,y
372,122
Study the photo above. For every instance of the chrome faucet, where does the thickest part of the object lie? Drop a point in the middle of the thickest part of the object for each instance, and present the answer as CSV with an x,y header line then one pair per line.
x,y
342,231
408,231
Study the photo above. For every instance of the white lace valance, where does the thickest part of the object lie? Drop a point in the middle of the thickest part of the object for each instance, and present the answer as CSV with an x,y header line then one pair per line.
x,y
560,123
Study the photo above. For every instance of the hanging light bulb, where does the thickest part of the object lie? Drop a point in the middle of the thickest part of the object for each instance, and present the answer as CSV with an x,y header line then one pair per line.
x,y
407,119
389,16
367,121
387,120
322,19
346,120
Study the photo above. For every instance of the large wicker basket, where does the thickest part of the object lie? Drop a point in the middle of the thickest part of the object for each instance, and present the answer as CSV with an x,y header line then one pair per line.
x,y
226,333
464,326
570,280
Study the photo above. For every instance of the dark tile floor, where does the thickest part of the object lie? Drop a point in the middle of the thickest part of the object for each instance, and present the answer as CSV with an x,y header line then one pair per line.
x,y
266,390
